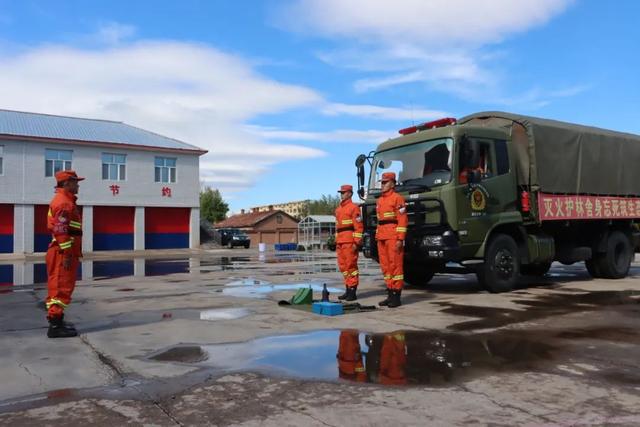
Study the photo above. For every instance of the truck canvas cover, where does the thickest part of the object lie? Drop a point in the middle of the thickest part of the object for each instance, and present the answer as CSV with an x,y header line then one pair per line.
x,y
564,158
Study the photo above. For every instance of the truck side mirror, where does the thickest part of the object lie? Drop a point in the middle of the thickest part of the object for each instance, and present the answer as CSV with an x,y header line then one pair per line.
x,y
360,161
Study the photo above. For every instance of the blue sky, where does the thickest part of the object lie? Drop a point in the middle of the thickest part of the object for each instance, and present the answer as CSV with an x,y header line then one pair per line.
x,y
285,94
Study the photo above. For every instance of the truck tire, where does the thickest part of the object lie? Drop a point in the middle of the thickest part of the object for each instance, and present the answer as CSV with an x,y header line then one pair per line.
x,y
418,276
501,267
537,269
592,267
615,263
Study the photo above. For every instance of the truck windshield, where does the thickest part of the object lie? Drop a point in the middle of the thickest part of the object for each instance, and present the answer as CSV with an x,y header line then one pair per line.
x,y
424,165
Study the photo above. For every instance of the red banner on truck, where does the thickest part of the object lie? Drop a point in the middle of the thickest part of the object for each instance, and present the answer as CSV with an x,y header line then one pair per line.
x,y
555,207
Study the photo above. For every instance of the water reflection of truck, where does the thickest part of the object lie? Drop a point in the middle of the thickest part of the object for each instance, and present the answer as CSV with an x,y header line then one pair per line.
x,y
503,195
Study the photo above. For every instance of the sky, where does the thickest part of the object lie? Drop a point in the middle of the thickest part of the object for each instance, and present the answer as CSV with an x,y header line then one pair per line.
x,y
285,94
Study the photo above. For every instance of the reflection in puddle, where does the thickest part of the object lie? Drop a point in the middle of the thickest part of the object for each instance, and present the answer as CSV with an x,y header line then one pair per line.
x,y
26,273
250,288
398,358
224,314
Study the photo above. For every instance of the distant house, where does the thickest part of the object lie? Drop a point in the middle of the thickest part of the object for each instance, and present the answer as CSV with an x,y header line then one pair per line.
x,y
269,227
314,230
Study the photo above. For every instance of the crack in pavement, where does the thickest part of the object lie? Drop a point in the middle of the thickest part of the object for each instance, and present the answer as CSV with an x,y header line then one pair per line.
x,y
505,405
41,382
112,364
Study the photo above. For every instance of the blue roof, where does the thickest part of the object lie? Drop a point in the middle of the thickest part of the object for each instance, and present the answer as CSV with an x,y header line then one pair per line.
x,y
18,123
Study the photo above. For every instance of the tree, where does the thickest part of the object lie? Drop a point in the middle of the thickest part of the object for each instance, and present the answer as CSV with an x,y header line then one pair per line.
x,y
212,207
325,205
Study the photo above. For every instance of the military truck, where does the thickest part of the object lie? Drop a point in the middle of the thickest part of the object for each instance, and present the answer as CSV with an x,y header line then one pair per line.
x,y
500,195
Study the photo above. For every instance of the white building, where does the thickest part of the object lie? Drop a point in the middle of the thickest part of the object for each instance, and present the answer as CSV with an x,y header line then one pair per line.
x,y
141,189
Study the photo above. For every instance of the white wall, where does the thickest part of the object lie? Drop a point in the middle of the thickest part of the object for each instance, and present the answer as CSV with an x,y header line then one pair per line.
x,y
23,181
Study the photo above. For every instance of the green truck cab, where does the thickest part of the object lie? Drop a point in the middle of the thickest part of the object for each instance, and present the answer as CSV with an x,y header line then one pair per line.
x,y
502,195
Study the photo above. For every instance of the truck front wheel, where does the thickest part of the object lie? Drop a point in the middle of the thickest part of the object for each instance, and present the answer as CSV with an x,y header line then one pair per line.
x,y
501,267
418,276
615,263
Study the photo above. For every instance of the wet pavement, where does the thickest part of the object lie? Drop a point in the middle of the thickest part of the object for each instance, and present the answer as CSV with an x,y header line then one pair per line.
x,y
200,339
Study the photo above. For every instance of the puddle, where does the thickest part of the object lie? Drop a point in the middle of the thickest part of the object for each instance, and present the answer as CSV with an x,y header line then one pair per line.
x,y
250,288
542,306
427,357
224,314
183,354
398,358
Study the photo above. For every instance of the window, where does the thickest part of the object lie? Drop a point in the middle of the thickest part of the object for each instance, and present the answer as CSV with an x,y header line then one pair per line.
x,y
1,157
114,166
165,169
279,219
56,160
502,157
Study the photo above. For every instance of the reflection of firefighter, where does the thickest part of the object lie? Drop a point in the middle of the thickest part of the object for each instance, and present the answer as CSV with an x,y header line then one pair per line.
x,y
350,365
393,360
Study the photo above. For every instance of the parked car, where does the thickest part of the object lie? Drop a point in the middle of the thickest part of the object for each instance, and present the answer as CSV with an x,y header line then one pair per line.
x,y
231,237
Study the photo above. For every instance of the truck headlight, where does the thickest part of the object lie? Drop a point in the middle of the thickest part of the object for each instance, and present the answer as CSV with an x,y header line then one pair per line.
x,y
432,241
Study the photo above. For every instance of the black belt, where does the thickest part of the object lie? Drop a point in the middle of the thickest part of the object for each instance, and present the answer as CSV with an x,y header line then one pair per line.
x,y
350,228
387,221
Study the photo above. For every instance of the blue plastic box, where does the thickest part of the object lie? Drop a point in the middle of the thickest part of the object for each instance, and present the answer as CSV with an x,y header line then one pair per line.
x,y
327,308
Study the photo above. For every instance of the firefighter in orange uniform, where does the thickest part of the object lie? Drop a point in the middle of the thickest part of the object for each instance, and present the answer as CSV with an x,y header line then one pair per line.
x,y
350,364
391,211
349,229
393,360
64,253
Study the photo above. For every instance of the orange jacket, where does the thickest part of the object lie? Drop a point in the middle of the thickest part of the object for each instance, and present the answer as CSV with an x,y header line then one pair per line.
x,y
65,223
391,210
349,225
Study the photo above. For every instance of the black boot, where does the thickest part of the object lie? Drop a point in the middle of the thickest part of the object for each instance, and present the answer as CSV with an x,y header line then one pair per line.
x,y
351,294
67,325
345,295
385,302
57,329
395,299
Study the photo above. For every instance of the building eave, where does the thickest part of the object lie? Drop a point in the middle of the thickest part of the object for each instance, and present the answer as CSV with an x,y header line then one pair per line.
x,y
7,137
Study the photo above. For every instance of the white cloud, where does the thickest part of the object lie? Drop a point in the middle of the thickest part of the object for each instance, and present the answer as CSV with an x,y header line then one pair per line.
x,y
113,33
334,136
379,112
444,45
433,22
191,92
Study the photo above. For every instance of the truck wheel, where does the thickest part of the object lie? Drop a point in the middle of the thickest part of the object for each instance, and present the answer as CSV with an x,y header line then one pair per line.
x,y
615,263
537,269
418,276
501,267
592,268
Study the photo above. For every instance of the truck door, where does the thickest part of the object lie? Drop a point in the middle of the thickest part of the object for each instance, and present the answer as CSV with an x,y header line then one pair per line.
x,y
482,201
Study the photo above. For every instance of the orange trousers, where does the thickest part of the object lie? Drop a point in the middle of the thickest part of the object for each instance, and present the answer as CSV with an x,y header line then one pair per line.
x,y
393,360
391,263
60,282
350,365
348,264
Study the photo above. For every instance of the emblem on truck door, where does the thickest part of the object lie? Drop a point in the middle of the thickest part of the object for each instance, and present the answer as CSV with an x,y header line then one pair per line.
x,y
478,200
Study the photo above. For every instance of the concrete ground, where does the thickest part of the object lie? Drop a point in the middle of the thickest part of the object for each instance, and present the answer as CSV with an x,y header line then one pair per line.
x,y
209,345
